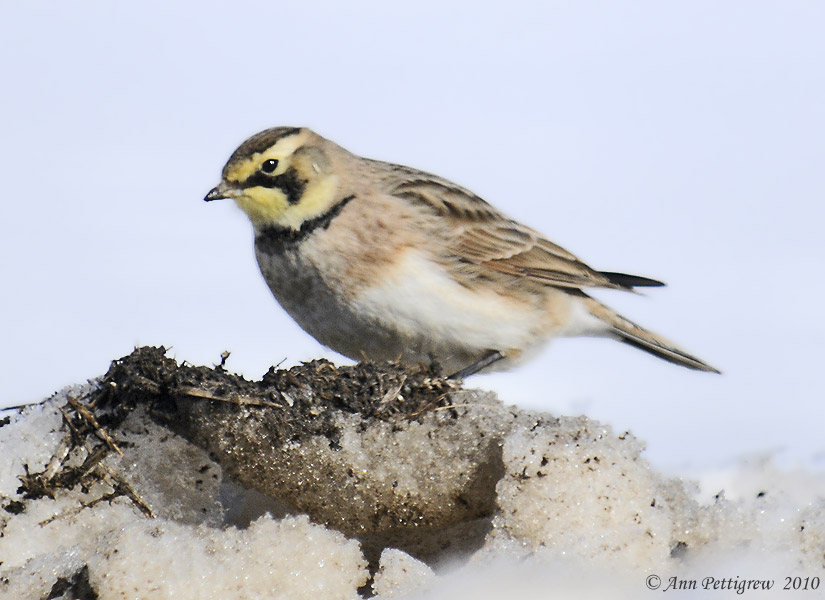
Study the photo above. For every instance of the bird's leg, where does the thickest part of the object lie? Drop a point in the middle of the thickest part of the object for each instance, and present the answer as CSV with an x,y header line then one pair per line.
x,y
482,363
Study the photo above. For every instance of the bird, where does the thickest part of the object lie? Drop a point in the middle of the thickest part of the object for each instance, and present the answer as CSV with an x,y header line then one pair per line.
x,y
380,261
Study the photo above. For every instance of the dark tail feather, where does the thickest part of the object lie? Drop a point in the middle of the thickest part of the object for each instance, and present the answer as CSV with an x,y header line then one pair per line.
x,y
634,335
630,281
669,353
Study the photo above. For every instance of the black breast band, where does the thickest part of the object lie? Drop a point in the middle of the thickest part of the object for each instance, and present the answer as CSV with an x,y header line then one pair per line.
x,y
276,239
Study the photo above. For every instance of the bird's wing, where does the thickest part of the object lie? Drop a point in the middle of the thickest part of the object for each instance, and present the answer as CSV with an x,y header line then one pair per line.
x,y
488,239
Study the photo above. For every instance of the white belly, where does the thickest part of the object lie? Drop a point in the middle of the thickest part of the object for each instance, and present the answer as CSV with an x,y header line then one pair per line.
x,y
415,313
422,301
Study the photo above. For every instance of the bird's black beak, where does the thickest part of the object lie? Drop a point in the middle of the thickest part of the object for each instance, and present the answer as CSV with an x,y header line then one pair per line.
x,y
219,192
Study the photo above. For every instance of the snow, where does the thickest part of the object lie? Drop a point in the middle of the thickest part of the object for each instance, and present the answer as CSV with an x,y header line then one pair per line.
x,y
482,498
400,575
289,558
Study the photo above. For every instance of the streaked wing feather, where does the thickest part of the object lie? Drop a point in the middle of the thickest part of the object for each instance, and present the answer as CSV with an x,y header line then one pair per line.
x,y
487,238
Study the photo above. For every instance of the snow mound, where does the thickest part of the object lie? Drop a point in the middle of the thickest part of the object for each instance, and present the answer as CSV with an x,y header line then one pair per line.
x,y
171,481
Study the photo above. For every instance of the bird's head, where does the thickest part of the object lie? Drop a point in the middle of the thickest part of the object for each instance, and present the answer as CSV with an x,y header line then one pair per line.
x,y
280,177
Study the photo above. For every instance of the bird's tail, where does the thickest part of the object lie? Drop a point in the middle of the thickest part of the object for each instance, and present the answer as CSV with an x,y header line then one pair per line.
x,y
634,335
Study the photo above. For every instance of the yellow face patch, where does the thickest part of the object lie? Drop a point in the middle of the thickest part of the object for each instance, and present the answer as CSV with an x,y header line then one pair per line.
x,y
285,148
269,206
320,194
263,206
296,190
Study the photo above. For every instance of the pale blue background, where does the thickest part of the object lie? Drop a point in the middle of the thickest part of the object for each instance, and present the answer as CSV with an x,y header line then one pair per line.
x,y
679,140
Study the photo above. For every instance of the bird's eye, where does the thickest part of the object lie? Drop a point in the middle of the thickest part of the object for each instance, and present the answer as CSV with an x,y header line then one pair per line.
x,y
269,166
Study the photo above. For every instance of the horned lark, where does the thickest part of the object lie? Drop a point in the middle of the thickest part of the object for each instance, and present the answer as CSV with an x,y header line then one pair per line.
x,y
381,261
